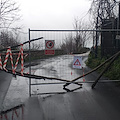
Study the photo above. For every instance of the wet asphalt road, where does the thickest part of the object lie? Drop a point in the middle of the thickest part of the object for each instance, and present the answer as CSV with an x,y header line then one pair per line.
x,y
5,80
101,103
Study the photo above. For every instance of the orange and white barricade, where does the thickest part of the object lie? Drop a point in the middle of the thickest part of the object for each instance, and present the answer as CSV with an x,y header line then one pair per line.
x,y
9,52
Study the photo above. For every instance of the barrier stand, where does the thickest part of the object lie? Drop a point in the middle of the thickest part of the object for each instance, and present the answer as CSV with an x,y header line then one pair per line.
x,y
22,66
6,116
15,114
1,116
0,62
12,115
6,59
9,52
14,111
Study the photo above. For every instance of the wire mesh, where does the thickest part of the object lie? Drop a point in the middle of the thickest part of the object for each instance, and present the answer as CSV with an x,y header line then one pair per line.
x,y
58,65
67,44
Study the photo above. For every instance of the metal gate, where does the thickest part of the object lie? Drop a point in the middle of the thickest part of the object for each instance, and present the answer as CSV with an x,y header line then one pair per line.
x,y
52,58
55,63
52,53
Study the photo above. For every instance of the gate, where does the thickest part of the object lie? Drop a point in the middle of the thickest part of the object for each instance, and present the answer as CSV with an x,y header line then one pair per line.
x,y
53,56
56,63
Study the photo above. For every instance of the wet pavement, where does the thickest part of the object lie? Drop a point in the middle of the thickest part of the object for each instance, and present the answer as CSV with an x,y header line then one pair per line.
x,y
86,104
5,80
101,103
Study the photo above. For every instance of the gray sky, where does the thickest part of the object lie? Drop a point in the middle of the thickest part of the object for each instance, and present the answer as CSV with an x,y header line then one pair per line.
x,y
52,14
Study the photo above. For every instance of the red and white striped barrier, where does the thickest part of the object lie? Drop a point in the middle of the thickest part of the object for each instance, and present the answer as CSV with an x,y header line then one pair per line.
x,y
22,66
9,52
16,113
0,62
6,59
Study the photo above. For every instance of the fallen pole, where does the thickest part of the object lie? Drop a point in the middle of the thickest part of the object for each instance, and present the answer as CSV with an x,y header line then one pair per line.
x,y
92,70
37,76
51,78
22,44
106,68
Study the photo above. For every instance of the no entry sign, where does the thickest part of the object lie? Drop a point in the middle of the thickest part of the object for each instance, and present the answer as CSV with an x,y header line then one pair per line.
x,y
49,47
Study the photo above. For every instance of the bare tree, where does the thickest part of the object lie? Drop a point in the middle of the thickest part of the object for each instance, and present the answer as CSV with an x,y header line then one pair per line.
x,y
103,9
8,39
69,45
35,46
76,42
9,13
81,36
100,11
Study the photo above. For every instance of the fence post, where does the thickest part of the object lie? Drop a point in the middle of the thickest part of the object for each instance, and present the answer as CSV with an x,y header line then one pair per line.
x,y
29,66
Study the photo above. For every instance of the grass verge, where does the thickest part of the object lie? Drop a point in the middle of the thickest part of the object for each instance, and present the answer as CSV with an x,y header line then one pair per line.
x,y
112,73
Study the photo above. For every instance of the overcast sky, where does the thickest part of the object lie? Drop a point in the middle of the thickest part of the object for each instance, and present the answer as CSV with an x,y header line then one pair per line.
x,y
52,14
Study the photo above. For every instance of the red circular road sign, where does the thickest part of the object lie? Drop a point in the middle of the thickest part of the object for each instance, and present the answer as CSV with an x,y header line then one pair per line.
x,y
49,44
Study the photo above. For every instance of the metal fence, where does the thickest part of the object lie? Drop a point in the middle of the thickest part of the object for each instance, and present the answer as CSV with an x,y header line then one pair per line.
x,y
58,64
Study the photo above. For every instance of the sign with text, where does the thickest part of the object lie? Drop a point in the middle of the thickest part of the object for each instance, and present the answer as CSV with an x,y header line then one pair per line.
x,y
49,47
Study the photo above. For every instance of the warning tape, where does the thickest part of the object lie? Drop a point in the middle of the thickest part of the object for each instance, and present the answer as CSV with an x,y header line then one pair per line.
x,y
9,52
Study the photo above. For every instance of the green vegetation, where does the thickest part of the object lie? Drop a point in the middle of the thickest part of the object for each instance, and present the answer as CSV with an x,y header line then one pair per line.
x,y
112,73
